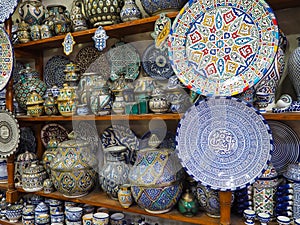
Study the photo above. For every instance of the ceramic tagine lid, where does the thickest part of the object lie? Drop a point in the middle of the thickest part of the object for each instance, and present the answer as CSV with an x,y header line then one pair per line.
x,y
34,98
293,172
26,157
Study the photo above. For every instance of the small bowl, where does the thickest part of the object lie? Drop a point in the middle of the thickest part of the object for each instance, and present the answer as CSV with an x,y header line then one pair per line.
x,y
74,214
14,213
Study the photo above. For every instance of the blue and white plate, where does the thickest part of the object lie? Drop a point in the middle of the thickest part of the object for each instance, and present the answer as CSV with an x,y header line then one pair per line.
x,y
286,146
224,143
156,63
7,8
6,57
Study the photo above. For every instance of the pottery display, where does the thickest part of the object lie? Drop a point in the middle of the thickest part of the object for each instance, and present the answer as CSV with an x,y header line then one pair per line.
x,y
14,213
77,18
66,101
155,178
154,8
158,102
58,20
50,153
23,32
115,170
72,170
101,12
34,104
32,11
50,105
33,177
294,69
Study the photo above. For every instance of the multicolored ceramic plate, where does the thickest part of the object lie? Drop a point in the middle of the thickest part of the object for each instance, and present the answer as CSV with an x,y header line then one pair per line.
x,y
85,57
9,133
221,48
6,57
224,143
59,132
7,8
286,146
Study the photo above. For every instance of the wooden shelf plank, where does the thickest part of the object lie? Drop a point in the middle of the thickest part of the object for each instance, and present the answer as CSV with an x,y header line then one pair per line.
x,y
115,30
3,186
282,116
171,116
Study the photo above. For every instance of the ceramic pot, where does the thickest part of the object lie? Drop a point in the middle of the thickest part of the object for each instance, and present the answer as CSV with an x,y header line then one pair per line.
x,y
294,69
50,105
32,11
125,196
156,184
67,100
77,18
156,7
73,169
33,177
14,213
188,204
159,104
34,104
29,81
115,171
264,190
130,11
23,32
58,20
23,161
100,12
72,74
100,100
50,153
119,105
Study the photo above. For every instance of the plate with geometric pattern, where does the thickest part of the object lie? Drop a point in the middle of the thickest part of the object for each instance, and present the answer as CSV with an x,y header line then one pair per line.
x,y
221,48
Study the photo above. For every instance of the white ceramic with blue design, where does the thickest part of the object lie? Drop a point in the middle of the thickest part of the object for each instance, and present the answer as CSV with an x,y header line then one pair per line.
x,y
74,214
100,218
87,219
14,213
57,217
117,218
283,220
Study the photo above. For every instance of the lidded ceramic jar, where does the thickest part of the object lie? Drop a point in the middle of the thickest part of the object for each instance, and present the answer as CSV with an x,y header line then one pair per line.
x,y
23,161
50,153
156,184
67,100
72,74
23,32
158,102
266,185
33,177
73,169
50,104
35,104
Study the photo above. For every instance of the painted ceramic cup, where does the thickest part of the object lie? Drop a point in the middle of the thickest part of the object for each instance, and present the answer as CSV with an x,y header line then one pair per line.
x,y
264,218
100,218
74,214
87,219
249,216
283,220
117,218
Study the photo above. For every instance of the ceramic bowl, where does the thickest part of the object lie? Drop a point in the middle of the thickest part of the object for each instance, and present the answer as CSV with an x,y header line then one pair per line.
x,y
35,110
100,218
157,200
74,214
67,107
14,213
117,218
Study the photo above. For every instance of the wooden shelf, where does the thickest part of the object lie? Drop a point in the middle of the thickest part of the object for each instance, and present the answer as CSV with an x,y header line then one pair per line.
x,y
114,31
6,222
3,186
96,118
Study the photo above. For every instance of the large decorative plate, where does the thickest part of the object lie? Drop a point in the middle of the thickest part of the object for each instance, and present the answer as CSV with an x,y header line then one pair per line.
x,y
59,132
221,48
6,58
224,143
124,60
156,63
286,146
54,71
7,8
117,135
9,133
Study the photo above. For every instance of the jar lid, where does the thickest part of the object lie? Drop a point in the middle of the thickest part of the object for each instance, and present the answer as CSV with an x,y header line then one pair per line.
x,y
34,168
293,172
26,156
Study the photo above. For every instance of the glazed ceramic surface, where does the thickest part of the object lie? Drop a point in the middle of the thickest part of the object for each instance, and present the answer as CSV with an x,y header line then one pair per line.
x,y
156,63
32,11
53,129
9,133
294,70
85,57
286,146
72,171
54,71
155,7
7,8
221,48
124,60
118,135
6,57
224,138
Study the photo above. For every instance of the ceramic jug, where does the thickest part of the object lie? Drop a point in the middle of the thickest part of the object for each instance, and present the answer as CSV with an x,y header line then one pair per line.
x,y
100,12
32,11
